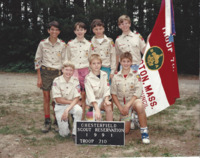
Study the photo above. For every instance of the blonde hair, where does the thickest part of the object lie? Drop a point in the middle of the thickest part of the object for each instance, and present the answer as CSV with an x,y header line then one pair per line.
x,y
68,64
94,56
122,18
126,55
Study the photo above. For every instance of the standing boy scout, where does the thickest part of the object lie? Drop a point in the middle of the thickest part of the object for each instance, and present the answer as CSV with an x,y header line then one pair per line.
x,y
103,46
129,42
78,53
48,63
126,90
98,89
66,92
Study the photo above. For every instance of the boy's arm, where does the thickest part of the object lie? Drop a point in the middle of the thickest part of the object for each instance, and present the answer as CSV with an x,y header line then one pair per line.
x,y
112,59
64,54
66,112
38,64
39,79
117,51
97,111
89,92
106,87
117,103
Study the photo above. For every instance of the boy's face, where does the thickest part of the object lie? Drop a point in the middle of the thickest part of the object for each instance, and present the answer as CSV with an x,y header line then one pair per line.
x,y
126,63
54,32
125,26
98,31
67,72
95,65
80,32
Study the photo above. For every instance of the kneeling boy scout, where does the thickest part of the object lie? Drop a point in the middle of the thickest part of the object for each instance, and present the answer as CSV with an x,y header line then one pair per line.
x,y
126,90
66,93
98,89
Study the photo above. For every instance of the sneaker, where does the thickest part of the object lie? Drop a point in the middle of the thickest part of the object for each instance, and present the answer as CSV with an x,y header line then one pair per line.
x,y
47,126
145,138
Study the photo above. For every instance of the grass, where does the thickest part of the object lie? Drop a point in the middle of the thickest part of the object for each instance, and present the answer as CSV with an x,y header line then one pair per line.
x,y
24,117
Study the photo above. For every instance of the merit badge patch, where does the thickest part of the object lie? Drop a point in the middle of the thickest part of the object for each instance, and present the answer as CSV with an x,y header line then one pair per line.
x,y
154,58
138,77
78,88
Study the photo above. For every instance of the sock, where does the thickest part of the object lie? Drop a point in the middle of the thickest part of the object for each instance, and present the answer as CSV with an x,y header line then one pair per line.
x,y
47,116
144,132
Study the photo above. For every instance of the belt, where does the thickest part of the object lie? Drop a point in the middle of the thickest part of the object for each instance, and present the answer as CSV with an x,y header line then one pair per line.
x,y
48,68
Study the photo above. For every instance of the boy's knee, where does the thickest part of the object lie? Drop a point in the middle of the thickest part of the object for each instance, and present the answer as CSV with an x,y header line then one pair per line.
x,y
78,110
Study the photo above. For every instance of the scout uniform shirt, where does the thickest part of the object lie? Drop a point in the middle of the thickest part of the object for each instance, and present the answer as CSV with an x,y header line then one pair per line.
x,y
78,52
48,55
126,88
68,90
96,88
106,50
133,43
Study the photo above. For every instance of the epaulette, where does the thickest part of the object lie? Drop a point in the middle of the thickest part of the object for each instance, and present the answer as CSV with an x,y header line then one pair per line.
x,y
42,40
118,36
62,41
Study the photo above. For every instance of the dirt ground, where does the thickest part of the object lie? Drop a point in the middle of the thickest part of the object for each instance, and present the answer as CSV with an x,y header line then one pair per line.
x,y
175,132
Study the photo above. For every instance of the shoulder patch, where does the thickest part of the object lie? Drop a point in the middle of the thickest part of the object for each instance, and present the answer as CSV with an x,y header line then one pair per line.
x,y
92,46
141,38
112,43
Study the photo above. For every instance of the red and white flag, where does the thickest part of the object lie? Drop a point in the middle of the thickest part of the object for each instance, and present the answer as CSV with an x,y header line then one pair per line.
x,y
158,69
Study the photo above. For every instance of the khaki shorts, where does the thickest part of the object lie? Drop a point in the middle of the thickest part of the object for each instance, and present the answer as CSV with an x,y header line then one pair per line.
x,y
47,77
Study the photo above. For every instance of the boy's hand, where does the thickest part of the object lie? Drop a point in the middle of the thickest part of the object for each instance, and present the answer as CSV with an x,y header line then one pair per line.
x,y
65,115
107,103
111,76
97,115
39,83
126,110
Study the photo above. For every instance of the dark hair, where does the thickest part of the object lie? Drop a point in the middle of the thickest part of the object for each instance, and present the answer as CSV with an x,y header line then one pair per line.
x,y
80,24
53,23
96,22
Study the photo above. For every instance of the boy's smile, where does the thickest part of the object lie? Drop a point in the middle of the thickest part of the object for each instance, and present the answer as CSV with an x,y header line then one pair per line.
x,y
53,32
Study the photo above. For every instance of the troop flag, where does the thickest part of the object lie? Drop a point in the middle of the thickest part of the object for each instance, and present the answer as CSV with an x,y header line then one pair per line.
x,y
158,68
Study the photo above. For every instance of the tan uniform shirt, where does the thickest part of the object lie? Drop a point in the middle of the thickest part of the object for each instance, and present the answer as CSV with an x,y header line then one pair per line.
x,y
78,52
50,55
95,87
133,43
68,90
126,87
106,50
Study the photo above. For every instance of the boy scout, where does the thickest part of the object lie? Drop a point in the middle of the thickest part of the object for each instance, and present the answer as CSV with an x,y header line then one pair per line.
x,y
66,93
105,47
78,52
129,42
98,89
48,63
126,90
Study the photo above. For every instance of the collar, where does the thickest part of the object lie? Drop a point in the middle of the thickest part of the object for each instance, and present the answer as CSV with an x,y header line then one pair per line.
x,y
47,41
120,73
131,34
62,79
105,38
77,41
93,75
